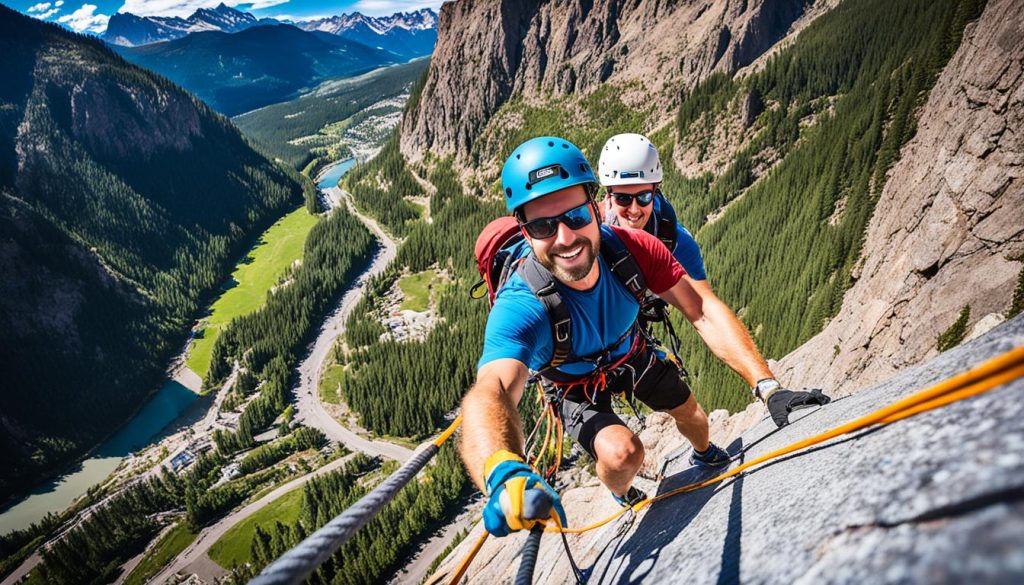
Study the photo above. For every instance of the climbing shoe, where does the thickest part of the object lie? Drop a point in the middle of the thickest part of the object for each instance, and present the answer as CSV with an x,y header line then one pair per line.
x,y
715,456
632,497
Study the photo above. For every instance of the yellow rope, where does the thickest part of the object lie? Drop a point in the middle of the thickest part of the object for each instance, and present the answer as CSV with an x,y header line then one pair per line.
x,y
448,432
991,374
986,376
464,565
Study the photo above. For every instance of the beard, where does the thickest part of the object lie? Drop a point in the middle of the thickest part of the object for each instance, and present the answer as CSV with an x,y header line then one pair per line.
x,y
575,273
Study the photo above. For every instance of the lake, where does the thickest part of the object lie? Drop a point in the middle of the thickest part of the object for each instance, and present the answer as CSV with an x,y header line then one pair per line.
x,y
55,496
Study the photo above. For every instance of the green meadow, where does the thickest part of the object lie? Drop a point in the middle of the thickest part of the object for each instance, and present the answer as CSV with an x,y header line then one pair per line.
x,y
278,248
233,548
163,551
416,290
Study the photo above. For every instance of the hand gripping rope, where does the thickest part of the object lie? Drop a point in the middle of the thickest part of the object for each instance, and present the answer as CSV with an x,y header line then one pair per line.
x,y
991,374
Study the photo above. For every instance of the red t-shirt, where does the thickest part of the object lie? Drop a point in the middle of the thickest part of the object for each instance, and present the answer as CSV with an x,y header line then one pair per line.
x,y
660,268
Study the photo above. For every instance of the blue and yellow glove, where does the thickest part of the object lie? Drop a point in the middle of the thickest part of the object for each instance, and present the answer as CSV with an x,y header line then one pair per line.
x,y
518,497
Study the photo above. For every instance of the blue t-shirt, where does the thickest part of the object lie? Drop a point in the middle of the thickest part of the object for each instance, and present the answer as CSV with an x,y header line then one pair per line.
x,y
687,252
518,326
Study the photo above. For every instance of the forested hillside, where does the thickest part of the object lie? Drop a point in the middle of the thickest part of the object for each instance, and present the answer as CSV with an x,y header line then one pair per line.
x,y
813,132
124,203
305,132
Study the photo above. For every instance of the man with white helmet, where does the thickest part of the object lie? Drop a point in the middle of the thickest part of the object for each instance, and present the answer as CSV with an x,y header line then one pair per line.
x,y
629,169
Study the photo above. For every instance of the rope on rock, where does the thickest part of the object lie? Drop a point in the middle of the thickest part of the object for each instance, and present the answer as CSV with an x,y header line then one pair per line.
x,y
982,378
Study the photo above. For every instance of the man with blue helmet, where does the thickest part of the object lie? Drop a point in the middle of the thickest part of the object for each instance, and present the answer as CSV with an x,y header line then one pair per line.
x,y
569,314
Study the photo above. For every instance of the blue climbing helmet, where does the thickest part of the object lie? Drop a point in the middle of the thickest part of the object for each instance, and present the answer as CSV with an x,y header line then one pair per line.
x,y
541,166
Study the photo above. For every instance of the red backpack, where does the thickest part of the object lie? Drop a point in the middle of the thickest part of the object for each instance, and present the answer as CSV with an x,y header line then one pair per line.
x,y
495,260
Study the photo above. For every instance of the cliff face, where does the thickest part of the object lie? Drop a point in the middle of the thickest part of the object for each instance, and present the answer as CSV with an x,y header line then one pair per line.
x,y
489,51
948,225
903,504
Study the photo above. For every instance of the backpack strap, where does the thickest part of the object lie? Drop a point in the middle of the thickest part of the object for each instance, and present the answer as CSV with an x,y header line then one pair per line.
x,y
542,284
622,264
665,224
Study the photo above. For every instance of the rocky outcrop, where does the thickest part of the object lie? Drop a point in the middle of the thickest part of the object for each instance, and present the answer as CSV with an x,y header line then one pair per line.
x,y
948,225
932,498
489,51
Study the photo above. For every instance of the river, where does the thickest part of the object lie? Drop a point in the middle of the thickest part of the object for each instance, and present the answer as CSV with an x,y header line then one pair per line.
x,y
166,405
329,178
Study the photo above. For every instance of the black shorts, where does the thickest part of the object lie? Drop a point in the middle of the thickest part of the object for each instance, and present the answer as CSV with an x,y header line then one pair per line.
x,y
660,386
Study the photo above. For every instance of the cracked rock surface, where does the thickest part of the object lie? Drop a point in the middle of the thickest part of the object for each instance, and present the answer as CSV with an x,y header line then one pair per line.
x,y
935,498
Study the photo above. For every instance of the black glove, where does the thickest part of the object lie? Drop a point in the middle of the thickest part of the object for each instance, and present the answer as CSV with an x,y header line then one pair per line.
x,y
782,402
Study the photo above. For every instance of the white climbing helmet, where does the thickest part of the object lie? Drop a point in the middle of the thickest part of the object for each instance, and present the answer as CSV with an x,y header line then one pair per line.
x,y
628,159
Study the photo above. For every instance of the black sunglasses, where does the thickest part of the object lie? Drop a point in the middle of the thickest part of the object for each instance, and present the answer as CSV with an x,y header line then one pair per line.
x,y
643,198
543,228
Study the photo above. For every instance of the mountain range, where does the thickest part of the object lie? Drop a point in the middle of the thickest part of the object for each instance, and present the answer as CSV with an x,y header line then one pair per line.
x,y
238,72
127,29
407,34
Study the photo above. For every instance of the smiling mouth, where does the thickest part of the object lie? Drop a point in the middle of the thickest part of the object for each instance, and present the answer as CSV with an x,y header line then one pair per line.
x,y
572,254
633,217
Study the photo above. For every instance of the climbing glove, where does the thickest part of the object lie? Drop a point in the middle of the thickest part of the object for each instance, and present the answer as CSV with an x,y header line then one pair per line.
x,y
782,402
517,497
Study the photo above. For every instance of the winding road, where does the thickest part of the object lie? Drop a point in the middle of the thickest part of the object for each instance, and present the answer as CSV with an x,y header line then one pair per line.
x,y
308,408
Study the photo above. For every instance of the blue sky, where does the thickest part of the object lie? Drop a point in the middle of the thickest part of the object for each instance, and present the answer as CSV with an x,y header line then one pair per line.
x,y
92,15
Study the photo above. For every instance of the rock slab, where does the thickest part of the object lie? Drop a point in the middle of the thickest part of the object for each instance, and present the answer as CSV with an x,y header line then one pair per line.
x,y
936,498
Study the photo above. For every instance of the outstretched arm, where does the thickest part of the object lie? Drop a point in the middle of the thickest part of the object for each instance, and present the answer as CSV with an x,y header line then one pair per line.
x,y
719,327
490,419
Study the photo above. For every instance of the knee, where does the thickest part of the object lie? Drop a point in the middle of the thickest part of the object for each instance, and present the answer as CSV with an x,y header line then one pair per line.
x,y
688,411
621,454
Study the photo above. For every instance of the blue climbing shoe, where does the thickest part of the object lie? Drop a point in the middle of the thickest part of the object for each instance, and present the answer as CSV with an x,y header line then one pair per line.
x,y
632,497
715,456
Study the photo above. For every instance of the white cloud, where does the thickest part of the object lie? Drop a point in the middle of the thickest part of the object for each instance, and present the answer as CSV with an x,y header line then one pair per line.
x,y
185,8
260,4
389,7
42,11
85,20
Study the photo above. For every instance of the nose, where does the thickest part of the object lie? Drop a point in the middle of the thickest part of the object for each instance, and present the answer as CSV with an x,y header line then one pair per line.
x,y
565,235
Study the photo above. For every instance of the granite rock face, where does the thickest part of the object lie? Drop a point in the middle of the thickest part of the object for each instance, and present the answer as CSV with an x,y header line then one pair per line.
x,y
948,230
935,498
490,51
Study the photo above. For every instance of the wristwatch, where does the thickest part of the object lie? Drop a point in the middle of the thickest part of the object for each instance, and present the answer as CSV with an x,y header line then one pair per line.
x,y
764,388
